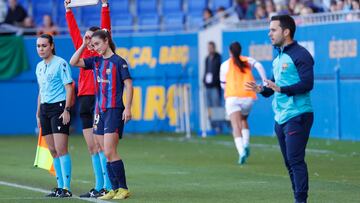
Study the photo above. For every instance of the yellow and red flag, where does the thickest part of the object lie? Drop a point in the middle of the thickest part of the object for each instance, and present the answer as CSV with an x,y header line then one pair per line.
x,y
43,158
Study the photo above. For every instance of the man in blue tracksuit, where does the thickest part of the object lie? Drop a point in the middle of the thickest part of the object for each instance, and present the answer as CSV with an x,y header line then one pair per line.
x,y
292,81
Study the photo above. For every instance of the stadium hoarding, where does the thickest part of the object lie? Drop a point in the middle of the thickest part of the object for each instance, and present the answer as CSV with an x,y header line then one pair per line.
x,y
163,70
332,45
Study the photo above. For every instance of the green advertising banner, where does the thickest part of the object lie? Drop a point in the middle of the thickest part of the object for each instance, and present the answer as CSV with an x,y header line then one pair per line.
x,y
13,58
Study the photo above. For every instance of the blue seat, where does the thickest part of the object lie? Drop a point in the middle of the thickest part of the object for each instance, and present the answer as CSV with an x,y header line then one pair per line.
x,y
24,4
41,8
173,22
146,7
60,17
148,23
119,7
122,23
91,21
91,15
172,6
224,3
61,20
197,5
194,22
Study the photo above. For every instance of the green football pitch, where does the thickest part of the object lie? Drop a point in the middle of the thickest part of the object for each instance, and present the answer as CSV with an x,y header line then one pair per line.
x,y
167,168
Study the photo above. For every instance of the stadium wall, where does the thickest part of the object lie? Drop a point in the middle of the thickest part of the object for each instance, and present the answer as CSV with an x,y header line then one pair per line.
x,y
163,69
163,65
331,45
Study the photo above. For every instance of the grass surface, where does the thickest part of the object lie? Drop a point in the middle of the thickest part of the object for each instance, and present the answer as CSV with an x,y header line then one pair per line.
x,y
167,168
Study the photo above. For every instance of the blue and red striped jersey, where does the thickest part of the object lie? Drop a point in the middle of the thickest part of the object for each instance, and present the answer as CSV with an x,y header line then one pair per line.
x,y
109,75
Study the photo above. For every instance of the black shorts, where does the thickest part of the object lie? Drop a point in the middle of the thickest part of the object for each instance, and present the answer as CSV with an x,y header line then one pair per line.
x,y
86,109
49,118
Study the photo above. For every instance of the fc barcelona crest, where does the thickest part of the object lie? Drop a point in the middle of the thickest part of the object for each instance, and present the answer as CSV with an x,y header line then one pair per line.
x,y
284,66
108,71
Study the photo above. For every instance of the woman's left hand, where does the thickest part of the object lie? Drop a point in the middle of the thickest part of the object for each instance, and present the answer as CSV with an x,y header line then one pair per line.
x,y
65,116
126,115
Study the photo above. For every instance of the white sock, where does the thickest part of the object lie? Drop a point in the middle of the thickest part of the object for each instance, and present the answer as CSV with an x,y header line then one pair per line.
x,y
246,137
239,145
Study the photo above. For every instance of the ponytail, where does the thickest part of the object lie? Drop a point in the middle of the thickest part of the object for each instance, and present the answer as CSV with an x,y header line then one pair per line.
x,y
235,49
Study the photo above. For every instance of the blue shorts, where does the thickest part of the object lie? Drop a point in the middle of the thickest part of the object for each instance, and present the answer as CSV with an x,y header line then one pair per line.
x,y
109,121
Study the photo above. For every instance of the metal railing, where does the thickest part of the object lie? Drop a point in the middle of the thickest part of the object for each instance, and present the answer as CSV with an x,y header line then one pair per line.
x,y
311,19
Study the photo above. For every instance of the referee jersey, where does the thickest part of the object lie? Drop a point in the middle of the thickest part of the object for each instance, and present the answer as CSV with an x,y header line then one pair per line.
x,y
52,78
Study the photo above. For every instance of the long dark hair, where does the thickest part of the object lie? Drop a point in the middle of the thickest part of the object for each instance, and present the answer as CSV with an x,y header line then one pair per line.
x,y
235,49
104,34
50,39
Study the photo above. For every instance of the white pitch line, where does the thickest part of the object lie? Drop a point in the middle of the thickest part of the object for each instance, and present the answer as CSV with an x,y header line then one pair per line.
x,y
46,191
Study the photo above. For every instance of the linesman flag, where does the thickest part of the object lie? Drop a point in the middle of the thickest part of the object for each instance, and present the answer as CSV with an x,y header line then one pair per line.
x,y
43,158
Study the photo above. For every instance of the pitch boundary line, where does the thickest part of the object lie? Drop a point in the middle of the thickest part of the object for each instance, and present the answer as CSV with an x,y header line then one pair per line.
x,y
25,187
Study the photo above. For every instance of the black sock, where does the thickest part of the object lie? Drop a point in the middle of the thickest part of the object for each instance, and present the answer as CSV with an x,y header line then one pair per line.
x,y
113,179
119,173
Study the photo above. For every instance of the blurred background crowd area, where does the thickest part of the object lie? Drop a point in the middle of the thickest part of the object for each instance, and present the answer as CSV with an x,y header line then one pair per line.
x,y
33,17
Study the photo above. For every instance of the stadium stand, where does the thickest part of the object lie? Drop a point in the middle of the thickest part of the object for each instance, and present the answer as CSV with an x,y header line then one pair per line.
x,y
147,7
42,7
215,4
194,7
90,15
171,6
148,23
173,22
122,24
163,15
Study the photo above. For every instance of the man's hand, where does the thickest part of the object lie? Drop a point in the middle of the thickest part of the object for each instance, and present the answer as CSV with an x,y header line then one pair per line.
x,y
272,85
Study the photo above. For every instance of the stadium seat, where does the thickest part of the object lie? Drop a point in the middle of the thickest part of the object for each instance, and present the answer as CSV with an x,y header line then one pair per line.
x,y
218,3
119,7
91,21
148,23
196,6
124,22
25,4
171,6
146,7
60,18
194,22
41,8
91,15
173,22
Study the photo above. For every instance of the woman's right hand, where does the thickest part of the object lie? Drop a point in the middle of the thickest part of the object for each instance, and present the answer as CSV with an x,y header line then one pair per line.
x,y
86,40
